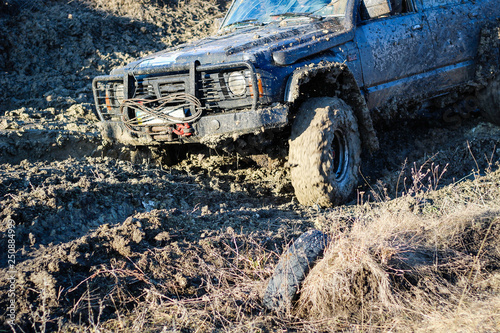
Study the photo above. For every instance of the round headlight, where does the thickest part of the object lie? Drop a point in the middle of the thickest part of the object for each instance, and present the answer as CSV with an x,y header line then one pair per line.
x,y
237,83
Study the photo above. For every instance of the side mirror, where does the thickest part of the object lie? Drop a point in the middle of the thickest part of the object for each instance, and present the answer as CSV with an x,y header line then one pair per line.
x,y
218,23
377,8
215,26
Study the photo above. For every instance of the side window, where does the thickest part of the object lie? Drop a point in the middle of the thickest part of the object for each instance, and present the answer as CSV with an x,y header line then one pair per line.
x,y
374,9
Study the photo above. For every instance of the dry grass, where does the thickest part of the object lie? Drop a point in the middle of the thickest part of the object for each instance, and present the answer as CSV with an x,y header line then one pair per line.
x,y
230,271
429,262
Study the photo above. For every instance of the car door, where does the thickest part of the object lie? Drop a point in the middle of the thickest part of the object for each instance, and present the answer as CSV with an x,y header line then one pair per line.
x,y
455,27
397,52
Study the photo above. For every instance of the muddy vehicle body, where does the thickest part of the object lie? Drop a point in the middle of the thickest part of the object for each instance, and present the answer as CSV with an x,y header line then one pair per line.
x,y
320,68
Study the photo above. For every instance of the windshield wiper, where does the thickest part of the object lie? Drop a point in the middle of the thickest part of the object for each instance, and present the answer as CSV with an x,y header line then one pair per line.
x,y
243,23
292,14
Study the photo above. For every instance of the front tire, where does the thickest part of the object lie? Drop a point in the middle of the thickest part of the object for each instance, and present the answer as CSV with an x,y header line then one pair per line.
x,y
324,153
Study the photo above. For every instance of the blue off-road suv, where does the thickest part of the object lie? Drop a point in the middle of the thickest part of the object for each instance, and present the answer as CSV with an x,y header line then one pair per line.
x,y
318,70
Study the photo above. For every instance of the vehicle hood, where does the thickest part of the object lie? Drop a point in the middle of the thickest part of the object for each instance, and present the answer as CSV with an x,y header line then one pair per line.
x,y
285,44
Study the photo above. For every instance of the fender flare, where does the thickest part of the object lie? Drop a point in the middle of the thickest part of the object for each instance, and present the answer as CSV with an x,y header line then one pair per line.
x,y
338,81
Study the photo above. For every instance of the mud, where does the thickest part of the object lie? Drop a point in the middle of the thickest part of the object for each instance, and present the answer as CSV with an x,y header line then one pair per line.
x,y
338,78
100,227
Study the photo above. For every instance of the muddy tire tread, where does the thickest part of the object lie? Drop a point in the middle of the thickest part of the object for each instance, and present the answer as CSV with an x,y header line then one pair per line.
x,y
310,166
293,266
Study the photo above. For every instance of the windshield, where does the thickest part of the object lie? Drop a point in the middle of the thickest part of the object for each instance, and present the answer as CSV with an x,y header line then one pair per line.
x,y
258,12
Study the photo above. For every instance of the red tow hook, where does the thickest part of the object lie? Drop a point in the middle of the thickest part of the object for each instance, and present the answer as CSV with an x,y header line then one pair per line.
x,y
183,129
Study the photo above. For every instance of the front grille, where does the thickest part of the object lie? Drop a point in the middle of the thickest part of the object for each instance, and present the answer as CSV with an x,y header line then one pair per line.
x,y
145,91
210,91
162,86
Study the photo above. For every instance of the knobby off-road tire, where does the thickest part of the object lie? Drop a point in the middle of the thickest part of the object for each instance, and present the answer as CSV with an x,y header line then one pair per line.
x,y
324,152
489,101
293,266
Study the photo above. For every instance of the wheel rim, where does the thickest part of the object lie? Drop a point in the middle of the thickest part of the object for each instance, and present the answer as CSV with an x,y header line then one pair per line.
x,y
340,156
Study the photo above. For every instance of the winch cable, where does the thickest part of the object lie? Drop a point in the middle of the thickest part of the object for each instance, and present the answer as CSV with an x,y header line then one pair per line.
x,y
175,101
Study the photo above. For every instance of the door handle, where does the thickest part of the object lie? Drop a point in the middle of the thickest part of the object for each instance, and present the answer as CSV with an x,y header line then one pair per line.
x,y
417,27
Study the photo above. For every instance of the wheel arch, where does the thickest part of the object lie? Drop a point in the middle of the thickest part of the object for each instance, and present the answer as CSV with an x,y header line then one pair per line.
x,y
333,79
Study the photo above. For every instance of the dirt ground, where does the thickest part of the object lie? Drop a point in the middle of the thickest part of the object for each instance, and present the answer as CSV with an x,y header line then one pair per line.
x,y
108,238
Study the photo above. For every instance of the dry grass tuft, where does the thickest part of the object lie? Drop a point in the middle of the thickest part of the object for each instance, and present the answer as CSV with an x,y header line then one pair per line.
x,y
344,283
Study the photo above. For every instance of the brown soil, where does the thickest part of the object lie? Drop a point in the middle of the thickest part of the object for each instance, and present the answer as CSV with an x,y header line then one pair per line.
x,y
106,244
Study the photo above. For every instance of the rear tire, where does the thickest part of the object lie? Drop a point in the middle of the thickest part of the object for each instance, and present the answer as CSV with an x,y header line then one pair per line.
x,y
324,153
489,101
